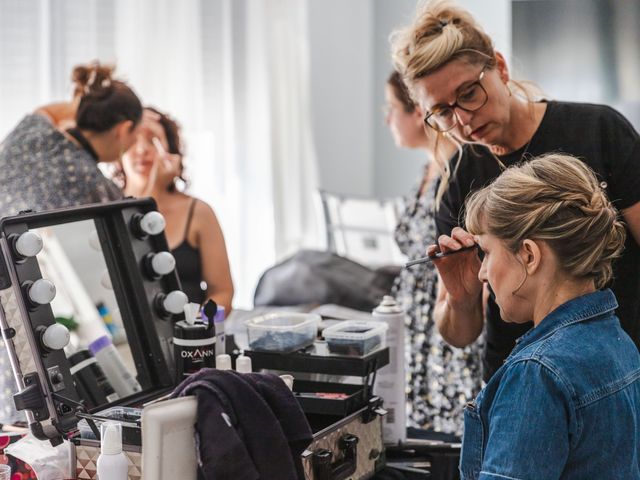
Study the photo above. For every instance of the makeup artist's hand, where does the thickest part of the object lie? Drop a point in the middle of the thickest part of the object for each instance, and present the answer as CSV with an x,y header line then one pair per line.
x,y
165,161
169,162
459,273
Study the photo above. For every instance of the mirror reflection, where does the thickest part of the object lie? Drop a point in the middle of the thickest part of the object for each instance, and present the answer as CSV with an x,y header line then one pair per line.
x,y
102,364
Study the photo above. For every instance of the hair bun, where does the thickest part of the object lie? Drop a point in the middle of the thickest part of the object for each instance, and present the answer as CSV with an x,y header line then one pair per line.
x,y
92,78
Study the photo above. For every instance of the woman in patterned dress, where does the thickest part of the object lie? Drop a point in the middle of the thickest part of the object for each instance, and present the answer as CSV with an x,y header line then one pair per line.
x,y
440,379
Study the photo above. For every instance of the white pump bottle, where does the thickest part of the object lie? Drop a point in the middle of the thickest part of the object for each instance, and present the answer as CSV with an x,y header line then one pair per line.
x,y
112,463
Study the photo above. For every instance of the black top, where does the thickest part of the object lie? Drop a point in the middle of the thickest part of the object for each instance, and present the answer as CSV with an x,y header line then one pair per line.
x,y
188,264
605,141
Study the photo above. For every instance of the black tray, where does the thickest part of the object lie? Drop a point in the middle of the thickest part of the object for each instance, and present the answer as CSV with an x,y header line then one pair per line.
x,y
341,407
317,359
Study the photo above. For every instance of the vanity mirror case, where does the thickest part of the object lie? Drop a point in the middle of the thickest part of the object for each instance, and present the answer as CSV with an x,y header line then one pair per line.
x,y
123,237
126,236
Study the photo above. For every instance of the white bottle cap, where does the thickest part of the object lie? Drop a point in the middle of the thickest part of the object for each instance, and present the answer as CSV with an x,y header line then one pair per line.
x,y
29,244
56,337
243,364
152,223
42,291
111,438
223,362
163,263
388,305
175,301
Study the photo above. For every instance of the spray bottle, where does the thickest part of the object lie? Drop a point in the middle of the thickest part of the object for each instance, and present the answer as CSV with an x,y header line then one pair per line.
x,y
390,380
112,463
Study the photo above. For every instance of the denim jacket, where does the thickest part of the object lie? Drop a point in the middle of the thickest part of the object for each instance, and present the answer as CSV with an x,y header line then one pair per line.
x,y
565,404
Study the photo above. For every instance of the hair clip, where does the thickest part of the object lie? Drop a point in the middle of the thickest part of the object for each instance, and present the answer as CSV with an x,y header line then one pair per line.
x,y
106,83
92,77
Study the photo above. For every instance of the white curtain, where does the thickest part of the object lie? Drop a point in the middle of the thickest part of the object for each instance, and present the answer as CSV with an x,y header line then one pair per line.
x,y
234,73
278,37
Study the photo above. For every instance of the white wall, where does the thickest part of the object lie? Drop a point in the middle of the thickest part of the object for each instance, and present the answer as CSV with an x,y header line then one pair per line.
x,y
395,170
350,62
341,89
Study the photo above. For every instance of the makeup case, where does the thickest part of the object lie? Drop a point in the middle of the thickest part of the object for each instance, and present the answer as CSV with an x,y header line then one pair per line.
x,y
110,249
346,418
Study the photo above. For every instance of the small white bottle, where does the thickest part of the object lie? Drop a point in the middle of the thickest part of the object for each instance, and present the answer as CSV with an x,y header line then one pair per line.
x,y
243,364
112,463
223,362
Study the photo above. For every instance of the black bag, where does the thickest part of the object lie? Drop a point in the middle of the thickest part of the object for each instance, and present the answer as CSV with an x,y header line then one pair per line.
x,y
319,277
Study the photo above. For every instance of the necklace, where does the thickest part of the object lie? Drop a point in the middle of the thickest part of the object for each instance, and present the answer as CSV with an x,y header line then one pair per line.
x,y
526,149
84,143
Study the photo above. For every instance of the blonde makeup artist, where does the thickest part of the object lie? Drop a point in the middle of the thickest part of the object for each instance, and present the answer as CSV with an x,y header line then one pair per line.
x,y
465,91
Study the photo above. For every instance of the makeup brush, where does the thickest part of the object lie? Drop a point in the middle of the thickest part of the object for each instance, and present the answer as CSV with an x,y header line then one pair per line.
x,y
209,311
439,255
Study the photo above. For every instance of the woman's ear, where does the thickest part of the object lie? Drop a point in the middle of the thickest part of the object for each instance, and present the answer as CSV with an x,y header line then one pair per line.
x,y
531,255
501,66
128,125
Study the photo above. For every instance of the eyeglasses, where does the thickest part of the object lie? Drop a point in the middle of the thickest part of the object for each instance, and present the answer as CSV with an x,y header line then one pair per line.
x,y
472,98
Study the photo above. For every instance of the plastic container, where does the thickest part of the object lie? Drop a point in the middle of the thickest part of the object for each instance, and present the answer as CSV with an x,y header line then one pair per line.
x,y
282,332
129,419
193,347
355,337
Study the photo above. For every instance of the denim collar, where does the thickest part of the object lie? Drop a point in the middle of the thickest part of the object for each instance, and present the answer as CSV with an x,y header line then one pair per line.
x,y
575,310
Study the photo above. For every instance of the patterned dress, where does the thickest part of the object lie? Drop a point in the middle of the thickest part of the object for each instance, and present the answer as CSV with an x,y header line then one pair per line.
x,y
441,379
41,169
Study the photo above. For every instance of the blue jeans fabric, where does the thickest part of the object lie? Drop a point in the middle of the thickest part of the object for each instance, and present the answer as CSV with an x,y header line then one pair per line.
x,y
565,404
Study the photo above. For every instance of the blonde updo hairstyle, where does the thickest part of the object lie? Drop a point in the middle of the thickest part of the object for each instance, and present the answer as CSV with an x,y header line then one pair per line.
x,y
555,198
441,32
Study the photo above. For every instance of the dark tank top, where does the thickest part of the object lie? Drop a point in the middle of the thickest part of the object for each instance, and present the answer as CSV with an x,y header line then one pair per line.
x,y
188,264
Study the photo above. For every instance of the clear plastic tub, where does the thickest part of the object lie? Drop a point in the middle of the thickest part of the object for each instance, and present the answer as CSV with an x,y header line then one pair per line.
x,y
355,337
127,416
282,332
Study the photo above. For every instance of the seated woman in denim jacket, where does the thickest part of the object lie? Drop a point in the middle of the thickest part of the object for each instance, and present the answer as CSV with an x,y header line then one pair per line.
x,y
566,403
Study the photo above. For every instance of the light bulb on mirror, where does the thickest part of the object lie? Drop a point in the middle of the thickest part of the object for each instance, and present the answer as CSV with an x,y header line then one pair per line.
x,y
152,223
56,337
28,244
41,292
172,303
162,263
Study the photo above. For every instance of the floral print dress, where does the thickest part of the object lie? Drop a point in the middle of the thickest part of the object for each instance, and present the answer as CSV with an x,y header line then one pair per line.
x,y
441,379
